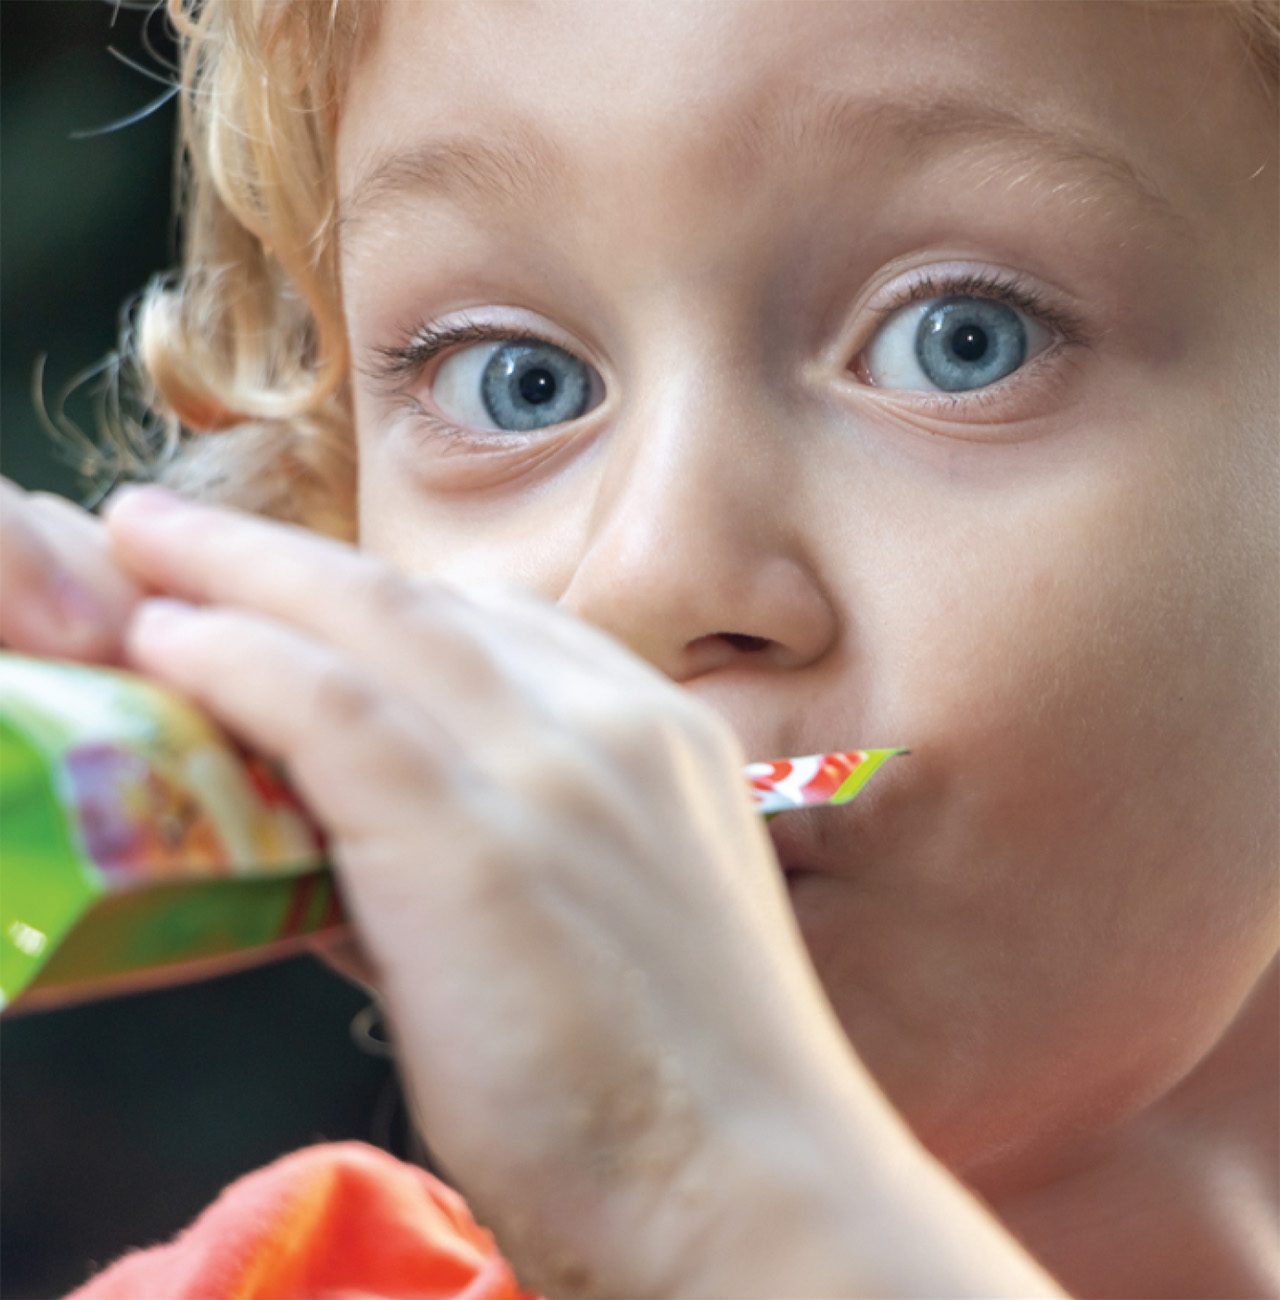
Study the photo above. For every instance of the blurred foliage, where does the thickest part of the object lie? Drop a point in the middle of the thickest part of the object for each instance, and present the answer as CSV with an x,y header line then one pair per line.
x,y
121,1119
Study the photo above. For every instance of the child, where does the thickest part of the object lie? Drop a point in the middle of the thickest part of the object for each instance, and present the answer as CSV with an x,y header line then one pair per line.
x,y
728,382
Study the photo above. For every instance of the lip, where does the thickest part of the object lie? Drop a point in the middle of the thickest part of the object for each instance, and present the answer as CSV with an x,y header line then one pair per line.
x,y
845,840
825,841
793,841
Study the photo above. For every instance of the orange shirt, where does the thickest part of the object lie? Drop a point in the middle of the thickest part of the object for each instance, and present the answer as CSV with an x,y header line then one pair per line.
x,y
342,1221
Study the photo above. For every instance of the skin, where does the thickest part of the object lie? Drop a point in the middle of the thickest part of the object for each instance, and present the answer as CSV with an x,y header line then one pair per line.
x,y
1049,934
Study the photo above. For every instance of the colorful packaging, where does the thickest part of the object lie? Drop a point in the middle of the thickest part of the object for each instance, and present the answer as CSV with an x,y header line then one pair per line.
x,y
121,805
139,844
813,780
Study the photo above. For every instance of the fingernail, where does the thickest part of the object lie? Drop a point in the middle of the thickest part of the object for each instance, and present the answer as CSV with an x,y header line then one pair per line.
x,y
145,501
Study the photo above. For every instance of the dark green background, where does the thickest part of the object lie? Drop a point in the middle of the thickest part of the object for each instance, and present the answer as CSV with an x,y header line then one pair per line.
x,y
121,1119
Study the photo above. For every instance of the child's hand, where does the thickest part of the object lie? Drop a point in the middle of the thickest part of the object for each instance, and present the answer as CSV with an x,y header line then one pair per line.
x,y
548,849
604,1013
62,595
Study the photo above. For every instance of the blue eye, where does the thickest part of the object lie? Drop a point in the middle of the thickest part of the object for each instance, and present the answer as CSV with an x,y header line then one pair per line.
x,y
952,345
515,386
968,343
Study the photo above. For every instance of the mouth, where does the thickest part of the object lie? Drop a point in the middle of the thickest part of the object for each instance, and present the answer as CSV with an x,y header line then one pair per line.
x,y
796,881
833,837
835,843
794,845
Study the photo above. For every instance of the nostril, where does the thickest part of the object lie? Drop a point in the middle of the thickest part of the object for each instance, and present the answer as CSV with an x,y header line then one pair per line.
x,y
740,641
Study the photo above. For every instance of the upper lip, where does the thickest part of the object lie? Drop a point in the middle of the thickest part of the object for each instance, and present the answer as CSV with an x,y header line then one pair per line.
x,y
831,841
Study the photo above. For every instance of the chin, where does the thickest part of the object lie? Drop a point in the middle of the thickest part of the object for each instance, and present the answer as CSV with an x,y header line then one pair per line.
x,y
942,1051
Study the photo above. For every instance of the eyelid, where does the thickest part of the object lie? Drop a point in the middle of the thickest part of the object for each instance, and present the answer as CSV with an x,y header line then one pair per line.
x,y
408,371
418,345
1011,400
958,280
403,363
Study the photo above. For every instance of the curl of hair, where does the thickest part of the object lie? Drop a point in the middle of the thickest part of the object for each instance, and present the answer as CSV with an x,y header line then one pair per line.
x,y
248,342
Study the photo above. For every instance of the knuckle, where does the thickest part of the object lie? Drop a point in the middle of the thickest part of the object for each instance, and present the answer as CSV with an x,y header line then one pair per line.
x,y
635,734
653,736
491,882
346,699
391,595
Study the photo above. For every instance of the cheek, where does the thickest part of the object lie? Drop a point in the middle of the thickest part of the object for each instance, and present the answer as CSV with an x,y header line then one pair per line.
x,y
1079,886
1086,669
1088,693
511,538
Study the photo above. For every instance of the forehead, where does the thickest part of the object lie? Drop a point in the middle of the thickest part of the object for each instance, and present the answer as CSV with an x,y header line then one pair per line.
x,y
487,101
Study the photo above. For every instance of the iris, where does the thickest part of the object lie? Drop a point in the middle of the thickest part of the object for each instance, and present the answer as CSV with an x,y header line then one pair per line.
x,y
531,385
966,343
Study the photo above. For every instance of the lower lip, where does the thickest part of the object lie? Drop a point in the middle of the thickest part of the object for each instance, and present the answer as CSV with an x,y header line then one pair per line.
x,y
808,893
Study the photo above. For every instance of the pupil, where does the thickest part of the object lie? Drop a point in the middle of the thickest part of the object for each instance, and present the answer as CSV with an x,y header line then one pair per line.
x,y
969,342
537,386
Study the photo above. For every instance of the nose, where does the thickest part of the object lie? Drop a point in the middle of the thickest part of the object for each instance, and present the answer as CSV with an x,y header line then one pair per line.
x,y
698,554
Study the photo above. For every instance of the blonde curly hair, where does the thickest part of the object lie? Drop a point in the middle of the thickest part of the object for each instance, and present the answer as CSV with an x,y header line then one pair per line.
x,y
247,342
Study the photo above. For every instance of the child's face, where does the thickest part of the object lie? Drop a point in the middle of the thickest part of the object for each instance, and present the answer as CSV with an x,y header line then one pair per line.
x,y
1030,536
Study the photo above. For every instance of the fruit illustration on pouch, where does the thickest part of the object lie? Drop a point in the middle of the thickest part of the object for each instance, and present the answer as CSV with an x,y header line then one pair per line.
x,y
134,817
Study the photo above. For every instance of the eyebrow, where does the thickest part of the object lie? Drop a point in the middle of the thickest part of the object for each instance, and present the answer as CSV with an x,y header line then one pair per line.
x,y
835,126
520,166
523,164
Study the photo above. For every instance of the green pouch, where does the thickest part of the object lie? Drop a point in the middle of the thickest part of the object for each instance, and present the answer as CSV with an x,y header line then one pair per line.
x,y
138,843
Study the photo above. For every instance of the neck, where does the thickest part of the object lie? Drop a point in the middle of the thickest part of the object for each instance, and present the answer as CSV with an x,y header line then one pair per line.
x,y
1184,1199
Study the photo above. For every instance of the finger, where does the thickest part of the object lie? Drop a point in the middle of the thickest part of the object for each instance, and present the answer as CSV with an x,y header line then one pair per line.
x,y
81,541
364,760
55,598
215,555
386,618
393,791
70,517
426,640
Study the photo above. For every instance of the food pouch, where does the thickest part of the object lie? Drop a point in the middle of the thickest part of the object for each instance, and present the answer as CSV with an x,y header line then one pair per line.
x,y
139,844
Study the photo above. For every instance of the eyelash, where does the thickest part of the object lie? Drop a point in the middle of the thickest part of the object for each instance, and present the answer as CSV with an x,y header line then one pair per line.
x,y
1010,290
397,366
